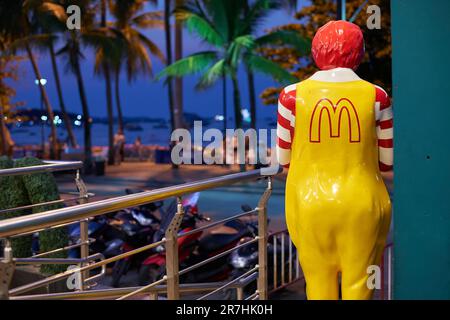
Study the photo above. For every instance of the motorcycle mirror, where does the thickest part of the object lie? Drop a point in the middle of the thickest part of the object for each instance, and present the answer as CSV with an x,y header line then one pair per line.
x,y
246,207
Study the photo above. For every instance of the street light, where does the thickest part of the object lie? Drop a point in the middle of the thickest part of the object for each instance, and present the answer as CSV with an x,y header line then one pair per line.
x,y
42,82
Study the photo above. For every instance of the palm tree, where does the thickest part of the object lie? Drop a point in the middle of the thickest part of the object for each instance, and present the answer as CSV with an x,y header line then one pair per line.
x,y
51,20
134,48
227,28
17,27
290,5
178,56
74,40
102,65
8,71
167,33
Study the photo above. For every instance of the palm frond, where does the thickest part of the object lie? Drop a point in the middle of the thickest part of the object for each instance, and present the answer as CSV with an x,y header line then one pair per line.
x,y
152,47
256,12
286,37
201,26
54,10
263,65
149,20
239,45
211,75
190,65
35,41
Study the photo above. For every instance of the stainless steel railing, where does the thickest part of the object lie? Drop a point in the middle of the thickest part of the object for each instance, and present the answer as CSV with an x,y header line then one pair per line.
x,y
26,224
48,166
286,268
82,196
386,273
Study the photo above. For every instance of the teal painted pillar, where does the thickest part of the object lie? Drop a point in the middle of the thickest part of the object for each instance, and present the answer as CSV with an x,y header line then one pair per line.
x,y
421,100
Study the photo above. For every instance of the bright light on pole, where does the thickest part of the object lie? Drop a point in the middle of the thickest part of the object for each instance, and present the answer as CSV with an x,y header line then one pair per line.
x,y
42,81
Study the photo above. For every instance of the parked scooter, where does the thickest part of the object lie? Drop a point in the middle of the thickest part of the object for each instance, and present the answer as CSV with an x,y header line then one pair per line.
x,y
108,232
103,238
245,258
193,249
139,236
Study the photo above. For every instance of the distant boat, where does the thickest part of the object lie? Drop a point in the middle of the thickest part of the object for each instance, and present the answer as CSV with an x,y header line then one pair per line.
x,y
20,130
133,127
160,125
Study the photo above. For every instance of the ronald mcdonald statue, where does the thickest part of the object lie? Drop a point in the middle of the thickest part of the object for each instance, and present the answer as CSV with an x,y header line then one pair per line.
x,y
335,135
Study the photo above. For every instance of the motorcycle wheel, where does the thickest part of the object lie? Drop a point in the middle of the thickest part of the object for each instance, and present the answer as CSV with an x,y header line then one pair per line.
x,y
149,274
230,294
119,269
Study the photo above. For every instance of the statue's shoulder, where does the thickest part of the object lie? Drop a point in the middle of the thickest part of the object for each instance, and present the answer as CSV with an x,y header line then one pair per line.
x,y
288,96
382,97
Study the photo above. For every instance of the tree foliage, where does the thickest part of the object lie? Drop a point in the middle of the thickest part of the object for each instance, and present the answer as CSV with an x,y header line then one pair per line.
x,y
376,66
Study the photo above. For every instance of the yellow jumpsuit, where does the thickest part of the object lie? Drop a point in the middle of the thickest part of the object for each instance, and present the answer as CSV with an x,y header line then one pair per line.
x,y
337,206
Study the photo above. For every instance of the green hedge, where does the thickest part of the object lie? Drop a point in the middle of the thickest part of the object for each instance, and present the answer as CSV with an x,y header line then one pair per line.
x,y
13,194
42,187
28,189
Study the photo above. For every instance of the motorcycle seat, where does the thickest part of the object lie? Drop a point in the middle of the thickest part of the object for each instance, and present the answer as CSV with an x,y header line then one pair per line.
x,y
216,241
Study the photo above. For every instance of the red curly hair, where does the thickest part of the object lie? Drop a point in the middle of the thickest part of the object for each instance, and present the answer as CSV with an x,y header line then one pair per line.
x,y
338,44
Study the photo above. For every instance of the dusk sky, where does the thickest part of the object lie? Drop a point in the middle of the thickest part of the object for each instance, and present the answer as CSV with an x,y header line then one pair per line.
x,y
145,96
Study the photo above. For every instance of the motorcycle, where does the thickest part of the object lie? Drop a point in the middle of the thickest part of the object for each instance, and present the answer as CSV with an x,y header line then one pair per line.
x,y
107,232
197,247
140,234
246,258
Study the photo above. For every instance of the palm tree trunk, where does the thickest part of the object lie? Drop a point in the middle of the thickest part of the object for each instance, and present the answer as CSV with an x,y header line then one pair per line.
x,y
109,110
109,107
237,109
252,96
224,101
237,101
87,119
169,60
51,117
118,104
3,146
173,114
251,84
67,120
179,121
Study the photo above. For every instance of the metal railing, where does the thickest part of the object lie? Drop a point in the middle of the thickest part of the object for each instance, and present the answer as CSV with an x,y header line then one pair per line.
x,y
60,217
271,275
285,265
286,270
386,273
48,166
82,196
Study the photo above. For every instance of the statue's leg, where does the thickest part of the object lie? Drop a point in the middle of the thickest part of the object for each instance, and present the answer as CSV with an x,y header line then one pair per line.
x,y
321,283
355,276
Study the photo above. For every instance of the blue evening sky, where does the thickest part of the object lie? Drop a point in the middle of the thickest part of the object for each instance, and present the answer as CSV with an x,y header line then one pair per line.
x,y
145,96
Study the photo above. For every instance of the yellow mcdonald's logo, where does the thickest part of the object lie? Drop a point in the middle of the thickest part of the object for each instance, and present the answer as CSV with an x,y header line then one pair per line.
x,y
333,113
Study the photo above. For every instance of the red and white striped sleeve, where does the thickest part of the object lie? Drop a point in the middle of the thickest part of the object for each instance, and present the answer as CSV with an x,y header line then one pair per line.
x,y
385,130
286,124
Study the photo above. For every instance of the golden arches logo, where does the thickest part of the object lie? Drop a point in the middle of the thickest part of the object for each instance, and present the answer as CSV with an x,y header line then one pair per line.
x,y
333,113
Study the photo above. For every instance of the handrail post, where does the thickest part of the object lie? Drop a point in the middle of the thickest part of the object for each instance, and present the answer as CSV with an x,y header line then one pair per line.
x,y
262,242
84,229
172,265
6,270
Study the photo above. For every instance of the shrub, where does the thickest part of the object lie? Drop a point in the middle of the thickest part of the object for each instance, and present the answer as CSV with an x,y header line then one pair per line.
x,y
13,194
42,187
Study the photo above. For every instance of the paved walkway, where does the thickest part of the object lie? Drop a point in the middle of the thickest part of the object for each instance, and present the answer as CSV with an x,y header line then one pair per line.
x,y
143,175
